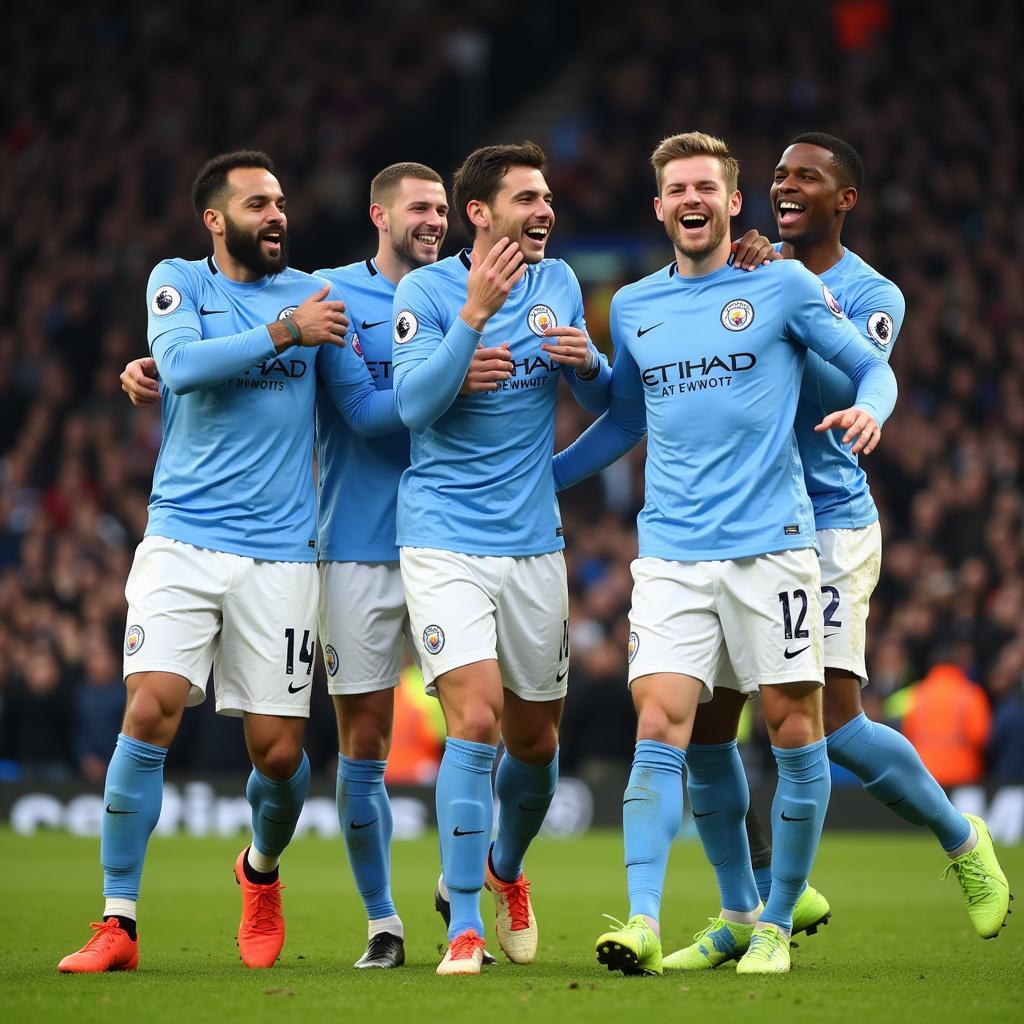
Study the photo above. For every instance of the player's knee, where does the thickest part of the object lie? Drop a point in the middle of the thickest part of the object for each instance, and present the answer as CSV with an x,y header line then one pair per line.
x,y
279,759
539,749
797,730
366,741
150,718
478,722
655,723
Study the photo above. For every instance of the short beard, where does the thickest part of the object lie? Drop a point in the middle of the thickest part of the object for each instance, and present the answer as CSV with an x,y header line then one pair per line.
x,y
675,234
403,249
245,249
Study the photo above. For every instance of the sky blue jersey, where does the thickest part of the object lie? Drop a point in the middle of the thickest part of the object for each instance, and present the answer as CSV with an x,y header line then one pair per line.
x,y
712,366
359,476
235,468
480,478
837,485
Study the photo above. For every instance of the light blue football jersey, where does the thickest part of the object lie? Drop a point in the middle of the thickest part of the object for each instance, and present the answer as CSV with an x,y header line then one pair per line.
x,y
480,476
714,363
837,485
235,467
359,475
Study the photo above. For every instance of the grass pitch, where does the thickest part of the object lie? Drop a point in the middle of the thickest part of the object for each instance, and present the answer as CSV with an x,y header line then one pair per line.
x,y
899,943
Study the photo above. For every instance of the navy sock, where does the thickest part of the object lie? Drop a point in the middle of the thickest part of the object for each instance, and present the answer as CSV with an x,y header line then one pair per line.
x,y
132,797
798,813
364,812
652,811
893,773
719,797
276,807
524,793
465,815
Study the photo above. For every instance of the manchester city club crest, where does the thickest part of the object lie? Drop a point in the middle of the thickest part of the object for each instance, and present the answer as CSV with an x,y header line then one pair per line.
x,y
330,660
166,299
833,305
632,647
540,318
737,315
134,638
433,639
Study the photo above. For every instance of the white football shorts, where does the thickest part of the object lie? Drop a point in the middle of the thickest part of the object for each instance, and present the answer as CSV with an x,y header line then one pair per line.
x,y
467,608
761,615
364,625
252,621
850,563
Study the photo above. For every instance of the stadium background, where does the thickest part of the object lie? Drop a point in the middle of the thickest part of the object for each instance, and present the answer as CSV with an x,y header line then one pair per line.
x,y
107,114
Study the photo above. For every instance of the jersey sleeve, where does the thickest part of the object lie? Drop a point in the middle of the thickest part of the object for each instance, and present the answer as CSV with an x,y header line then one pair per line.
x,y
429,360
878,315
185,359
343,373
815,319
619,429
591,392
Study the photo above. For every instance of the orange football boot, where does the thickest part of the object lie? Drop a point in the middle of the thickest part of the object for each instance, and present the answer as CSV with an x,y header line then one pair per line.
x,y
110,949
261,931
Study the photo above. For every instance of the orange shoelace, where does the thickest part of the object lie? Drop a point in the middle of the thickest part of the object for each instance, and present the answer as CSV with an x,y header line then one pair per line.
x,y
518,896
104,932
266,904
465,945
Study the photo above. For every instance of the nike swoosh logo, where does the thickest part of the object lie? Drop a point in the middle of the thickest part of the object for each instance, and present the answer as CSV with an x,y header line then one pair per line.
x,y
641,331
785,817
634,799
352,825
292,688
697,814
203,311
471,832
110,810
377,323
522,808
895,802
792,654
561,675
276,822
830,635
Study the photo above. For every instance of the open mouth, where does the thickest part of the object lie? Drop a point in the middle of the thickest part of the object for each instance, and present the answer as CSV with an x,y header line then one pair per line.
x,y
272,240
426,239
538,234
789,211
693,221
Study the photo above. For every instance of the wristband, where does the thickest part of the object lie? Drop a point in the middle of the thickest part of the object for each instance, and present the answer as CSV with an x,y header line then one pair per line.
x,y
594,370
294,330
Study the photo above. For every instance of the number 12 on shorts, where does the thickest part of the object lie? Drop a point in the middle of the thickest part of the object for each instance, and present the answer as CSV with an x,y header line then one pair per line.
x,y
799,602
306,650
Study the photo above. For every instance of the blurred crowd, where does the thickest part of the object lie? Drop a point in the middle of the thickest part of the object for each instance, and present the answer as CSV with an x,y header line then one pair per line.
x,y
108,114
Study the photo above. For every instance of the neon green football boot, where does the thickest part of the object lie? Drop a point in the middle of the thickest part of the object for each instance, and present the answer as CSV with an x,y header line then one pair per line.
x,y
811,911
632,948
768,952
983,882
717,944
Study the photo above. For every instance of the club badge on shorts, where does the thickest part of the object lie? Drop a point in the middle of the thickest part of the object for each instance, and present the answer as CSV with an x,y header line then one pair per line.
x,y
433,639
331,660
632,647
133,640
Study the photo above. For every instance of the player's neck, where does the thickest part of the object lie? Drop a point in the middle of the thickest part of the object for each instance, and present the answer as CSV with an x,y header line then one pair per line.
x,y
817,257
231,268
390,264
701,266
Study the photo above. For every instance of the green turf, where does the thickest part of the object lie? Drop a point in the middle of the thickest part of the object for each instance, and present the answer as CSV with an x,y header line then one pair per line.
x,y
899,943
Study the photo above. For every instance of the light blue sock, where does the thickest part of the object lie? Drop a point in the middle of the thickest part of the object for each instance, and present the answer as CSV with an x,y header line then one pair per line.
x,y
276,807
763,877
798,812
719,797
132,797
652,811
465,814
893,773
524,796
364,813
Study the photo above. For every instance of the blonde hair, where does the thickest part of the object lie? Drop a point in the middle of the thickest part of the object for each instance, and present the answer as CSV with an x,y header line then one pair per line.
x,y
687,144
